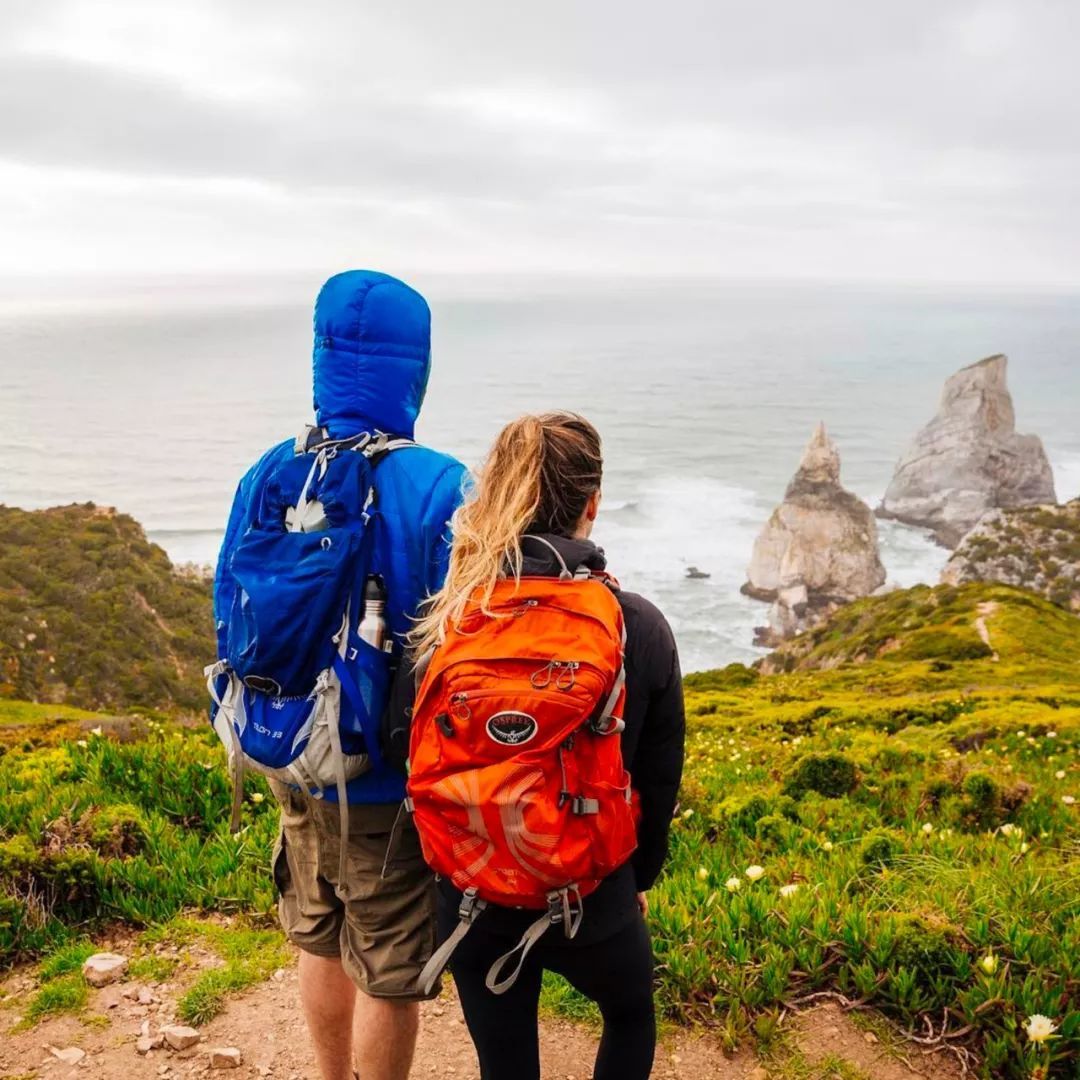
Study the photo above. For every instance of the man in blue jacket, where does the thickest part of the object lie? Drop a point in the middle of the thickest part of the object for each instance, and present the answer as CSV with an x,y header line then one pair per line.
x,y
371,362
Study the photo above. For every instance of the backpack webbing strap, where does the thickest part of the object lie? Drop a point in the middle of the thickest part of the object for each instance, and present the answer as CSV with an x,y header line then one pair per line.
x,y
559,912
236,762
471,907
604,722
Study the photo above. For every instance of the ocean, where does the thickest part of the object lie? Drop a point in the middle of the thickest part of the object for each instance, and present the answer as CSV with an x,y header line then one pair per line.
x,y
155,401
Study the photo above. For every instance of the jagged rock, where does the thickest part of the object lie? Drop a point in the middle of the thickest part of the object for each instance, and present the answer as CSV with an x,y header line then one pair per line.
x,y
819,549
1036,548
145,1043
969,459
104,968
69,1055
227,1057
180,1037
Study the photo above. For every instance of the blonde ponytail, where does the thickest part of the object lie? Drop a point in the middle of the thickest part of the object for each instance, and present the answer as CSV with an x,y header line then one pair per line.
x,y
539,475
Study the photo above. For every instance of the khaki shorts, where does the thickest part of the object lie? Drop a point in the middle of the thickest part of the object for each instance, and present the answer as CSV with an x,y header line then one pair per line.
x,y
384,929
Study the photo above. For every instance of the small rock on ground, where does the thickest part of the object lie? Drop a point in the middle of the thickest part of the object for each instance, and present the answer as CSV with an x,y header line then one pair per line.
x,y
104,968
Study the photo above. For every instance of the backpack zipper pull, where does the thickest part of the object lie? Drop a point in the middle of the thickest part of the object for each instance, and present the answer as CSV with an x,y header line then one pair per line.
x,y
567,674
542,676
459,706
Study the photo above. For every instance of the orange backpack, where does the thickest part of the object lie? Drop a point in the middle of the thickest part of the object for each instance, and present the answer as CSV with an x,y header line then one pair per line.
x,y
516,781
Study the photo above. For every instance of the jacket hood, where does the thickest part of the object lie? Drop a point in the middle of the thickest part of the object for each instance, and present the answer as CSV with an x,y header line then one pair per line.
x,y
538,560
372,354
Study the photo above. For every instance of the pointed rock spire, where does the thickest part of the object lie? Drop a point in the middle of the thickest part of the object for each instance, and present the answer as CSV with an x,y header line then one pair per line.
x,y
818,550
969,459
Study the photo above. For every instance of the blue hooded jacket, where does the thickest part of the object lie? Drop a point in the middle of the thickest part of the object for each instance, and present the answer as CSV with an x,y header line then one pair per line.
x,y
372,357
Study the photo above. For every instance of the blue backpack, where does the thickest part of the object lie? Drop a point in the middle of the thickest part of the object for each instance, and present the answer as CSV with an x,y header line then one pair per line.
x,y
299,694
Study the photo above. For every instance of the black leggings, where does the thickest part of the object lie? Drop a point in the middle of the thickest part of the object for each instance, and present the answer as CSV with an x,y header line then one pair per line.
x,y
615,972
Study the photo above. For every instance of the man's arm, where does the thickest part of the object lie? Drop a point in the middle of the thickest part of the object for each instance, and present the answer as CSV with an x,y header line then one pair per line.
x,y
446,497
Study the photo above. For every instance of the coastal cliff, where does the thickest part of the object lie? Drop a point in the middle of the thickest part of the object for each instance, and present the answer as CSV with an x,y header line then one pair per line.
x,y
818,550
94,615
969,459
1037,548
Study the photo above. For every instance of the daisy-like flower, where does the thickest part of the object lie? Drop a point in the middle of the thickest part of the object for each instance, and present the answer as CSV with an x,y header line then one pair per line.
x,y
1039,1028
702,874
827,846
1009,829
1068,800
789,890
257,797
687,815
83,743
928,828
1024,848
95,731
989,963
733,884
755,872
1060,774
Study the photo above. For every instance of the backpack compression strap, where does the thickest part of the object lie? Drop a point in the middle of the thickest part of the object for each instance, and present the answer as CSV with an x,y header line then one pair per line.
x,y
564,909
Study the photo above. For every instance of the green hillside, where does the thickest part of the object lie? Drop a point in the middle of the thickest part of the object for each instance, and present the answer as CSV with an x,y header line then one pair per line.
x,y
891,817
93,615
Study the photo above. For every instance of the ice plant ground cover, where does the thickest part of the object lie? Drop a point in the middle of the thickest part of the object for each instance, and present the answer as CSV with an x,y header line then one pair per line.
x,y
914,788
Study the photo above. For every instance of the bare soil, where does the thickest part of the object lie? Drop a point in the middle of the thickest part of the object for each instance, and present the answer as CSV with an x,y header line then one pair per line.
x,y
266,1025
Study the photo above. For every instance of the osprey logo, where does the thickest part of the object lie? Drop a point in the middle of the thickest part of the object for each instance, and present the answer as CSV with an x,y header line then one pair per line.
x,y
511,728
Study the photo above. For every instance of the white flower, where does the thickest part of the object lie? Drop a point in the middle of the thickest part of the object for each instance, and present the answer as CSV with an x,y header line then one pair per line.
x,y
1039,1028
95,731
1024,848
687,815
827,846
989,963
702,874
789,890
1051,734
928,828
257,797
1060,774
1068,800
83,743
755,872
1009,829
733,884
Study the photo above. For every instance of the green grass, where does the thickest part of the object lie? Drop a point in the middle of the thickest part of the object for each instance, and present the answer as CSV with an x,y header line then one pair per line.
x,y
65,960
151,968
93,831
915,803
64,994
249,956
908,879
30,714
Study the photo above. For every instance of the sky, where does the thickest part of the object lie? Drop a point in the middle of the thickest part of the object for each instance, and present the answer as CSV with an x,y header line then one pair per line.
x,y
924,141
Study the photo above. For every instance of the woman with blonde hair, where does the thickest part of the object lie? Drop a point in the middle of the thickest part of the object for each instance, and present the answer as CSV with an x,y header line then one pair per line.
x,y
530,515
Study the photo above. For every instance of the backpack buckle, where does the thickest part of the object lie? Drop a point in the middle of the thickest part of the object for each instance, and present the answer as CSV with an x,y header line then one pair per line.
x,y
585,806
607,725
471,905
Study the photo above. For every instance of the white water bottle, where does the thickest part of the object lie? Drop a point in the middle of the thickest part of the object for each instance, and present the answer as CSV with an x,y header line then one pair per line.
x,y
373,628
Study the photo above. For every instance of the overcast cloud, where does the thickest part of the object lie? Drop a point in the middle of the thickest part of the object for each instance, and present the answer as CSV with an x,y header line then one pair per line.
x,y
917,141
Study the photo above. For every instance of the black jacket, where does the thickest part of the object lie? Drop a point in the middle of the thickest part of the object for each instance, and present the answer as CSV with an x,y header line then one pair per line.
x,y
652,747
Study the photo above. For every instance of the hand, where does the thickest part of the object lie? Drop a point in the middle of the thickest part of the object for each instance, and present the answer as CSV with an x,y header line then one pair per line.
x,y
643,903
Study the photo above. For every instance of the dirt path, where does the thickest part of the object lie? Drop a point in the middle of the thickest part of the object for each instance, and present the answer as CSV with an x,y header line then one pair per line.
x,y
266,1026
986,609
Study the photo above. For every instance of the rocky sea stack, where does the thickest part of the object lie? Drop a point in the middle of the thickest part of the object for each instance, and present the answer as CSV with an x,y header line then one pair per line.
x,y
818,551
969,459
